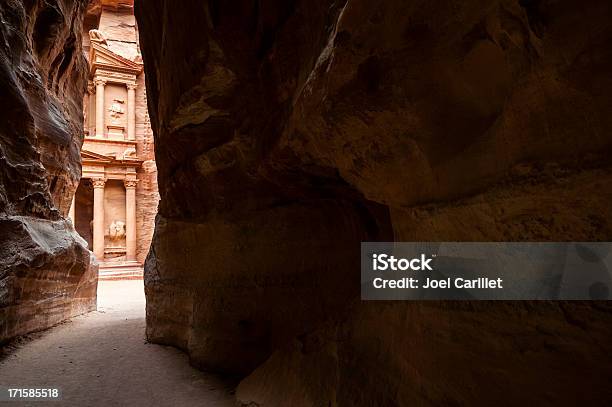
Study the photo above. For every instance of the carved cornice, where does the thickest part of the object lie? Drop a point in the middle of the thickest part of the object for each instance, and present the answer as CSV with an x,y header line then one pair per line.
x,y
98,182
98,140
116,77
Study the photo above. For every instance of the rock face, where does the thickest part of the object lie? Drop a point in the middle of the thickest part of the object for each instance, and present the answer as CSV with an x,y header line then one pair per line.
x,y
46,272
288,131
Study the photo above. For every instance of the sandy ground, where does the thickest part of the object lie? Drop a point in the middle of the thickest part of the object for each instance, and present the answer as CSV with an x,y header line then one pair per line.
x,y
102,359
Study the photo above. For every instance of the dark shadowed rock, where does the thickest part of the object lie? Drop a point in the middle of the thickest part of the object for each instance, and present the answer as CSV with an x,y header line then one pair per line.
x,y
46,272
289,131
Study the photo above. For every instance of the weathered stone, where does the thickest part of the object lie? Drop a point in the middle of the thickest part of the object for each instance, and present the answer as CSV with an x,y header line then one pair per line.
x,y
46,273
289,131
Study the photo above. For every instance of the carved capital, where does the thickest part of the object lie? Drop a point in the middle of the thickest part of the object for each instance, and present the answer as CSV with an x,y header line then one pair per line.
x,y
131,86
130,183
98,182
99,81
91,89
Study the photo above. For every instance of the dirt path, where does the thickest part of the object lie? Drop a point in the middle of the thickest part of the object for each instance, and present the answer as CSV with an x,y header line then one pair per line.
x,y
101,359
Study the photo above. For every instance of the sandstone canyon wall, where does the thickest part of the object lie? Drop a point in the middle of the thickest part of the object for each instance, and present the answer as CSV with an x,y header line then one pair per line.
x,y
287,131
46,272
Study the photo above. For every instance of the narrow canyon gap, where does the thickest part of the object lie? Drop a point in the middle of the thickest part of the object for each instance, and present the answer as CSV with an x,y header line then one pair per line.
x,y
288,131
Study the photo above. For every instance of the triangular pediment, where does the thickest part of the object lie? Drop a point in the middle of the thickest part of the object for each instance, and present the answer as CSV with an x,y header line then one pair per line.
x,y
91,156
102,57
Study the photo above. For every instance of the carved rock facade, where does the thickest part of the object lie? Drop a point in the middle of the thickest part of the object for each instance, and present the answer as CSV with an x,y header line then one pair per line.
x,y
46,271
118,146
289,131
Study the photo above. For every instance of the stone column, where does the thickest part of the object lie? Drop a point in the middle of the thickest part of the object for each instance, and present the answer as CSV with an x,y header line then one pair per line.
x,y
100,83
71,213
131,111
91,90
130,220
98,218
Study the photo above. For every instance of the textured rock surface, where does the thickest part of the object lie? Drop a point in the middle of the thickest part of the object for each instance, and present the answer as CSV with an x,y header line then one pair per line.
x,y
147,194
46,272
289,131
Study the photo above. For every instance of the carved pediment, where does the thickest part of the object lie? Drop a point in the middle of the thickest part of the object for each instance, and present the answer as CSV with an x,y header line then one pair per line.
x,y
126,158
103,58
95,157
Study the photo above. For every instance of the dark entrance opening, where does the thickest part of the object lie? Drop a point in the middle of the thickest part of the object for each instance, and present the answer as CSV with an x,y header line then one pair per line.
x,y
83,202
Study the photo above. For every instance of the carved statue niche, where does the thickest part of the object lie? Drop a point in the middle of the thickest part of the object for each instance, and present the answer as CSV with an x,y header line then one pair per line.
x,y
116,110
117,230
